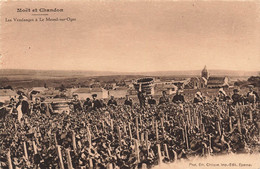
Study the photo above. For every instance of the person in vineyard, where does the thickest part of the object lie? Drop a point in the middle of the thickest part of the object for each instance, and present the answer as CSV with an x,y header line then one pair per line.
x,y
252,96
178,98
222,96
236,97
24,105
112,101
128,101
198,98
151,100
76,103
37,105
95,102
87,104
141,96
46,108
3,111
164,98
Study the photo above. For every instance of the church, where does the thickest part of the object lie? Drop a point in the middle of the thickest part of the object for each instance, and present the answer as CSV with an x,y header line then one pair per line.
x,y
207,81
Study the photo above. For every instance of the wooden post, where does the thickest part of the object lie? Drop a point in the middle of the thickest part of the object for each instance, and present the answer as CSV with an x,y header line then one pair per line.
x,y
162,122
89,137
124,128
156,130
130,131
186,136
159,154
197,121
153,123
137,129
34,148
103,126
74,142
144,166
210,144
141,122
25,150
119,135
218,126
166,151
60,157
55,139
202,129
230,124
90,163
146,139
239,125
142,138
137,151
189,116
251,115
183,135
112,124
175,156
69,162
10,165
166,117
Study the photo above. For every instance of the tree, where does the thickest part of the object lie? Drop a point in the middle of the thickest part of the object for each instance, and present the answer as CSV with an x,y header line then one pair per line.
x,y
254,80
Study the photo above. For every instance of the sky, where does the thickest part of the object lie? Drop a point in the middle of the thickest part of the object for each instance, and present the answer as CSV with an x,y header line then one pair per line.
x,y
133,36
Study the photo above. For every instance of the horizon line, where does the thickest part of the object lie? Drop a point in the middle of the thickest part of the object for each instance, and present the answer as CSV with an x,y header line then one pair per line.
x,y
128,71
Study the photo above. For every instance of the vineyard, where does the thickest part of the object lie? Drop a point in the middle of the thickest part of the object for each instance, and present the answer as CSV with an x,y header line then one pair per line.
x,y
128,137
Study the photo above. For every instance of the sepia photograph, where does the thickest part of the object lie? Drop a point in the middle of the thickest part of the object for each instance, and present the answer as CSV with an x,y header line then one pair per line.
x,y
113,84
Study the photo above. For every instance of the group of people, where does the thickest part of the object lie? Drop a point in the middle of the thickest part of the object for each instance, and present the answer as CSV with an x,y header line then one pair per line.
x,y
127,135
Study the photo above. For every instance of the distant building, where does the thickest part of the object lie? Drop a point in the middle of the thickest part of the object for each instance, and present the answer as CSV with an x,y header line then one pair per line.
x,y
218,82
84,93
7,94
196,83
168,88
35,91
47,94
181,83
118,92
205,73
131,91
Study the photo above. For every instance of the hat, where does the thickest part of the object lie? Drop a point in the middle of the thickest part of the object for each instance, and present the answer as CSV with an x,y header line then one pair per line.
x,y
94,95
199,94
20,97
75,94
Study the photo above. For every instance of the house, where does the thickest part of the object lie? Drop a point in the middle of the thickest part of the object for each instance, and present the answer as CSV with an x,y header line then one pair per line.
x,y
132,92
84,93
181,83
169,88
196,83
47,94
7,94
118,92
217,82
35,90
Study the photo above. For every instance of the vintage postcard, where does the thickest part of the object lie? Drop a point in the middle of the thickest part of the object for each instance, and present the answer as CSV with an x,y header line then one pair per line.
x,y
130,84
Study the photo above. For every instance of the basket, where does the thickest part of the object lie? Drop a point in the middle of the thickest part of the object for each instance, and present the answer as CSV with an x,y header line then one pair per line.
x,y
146,84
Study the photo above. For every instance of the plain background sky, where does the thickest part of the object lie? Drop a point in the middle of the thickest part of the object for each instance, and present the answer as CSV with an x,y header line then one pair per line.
x,y
134,36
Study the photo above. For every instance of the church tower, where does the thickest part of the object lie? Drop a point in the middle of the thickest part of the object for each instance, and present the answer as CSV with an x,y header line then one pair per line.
x,y
205,73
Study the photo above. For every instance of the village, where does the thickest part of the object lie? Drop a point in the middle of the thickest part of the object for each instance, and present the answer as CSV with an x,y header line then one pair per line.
x,y
118,89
